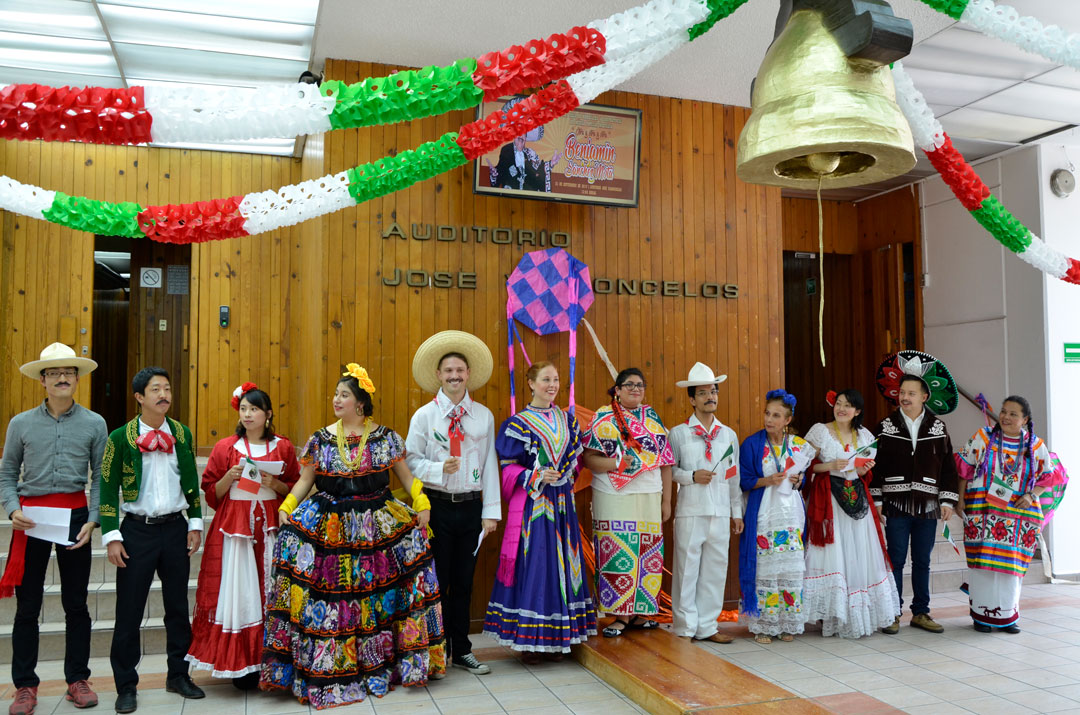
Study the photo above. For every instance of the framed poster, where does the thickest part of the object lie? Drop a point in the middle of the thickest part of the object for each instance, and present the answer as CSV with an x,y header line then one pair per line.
x,y
591,155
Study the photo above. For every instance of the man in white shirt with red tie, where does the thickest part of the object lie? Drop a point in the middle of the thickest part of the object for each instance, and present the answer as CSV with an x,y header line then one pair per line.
x,y
451,449
150,462
708,510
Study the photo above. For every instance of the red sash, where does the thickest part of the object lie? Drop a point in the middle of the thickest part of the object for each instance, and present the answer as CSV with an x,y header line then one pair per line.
x,y
16,563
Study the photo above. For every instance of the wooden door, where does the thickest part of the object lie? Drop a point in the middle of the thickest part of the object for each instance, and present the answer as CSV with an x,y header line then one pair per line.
x,y
160,317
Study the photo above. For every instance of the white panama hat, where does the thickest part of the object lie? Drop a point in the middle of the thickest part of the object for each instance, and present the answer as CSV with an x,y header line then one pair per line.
x,y
432,350
701,374
57,355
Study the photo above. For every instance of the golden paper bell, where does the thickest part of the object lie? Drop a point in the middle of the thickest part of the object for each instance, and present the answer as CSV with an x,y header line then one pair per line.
x,y
818,112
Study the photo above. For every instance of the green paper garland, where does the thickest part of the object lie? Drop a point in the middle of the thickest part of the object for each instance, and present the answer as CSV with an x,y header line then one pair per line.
x,y
952,8
403,96
393,173
718,10
1002,225
102,217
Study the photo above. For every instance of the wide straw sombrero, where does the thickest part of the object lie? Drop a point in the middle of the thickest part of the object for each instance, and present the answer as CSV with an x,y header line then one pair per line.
x,y
57,355
701,374
944,394
432,350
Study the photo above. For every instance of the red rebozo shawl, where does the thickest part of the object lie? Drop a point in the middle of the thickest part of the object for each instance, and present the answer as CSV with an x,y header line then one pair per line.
x,y
819,509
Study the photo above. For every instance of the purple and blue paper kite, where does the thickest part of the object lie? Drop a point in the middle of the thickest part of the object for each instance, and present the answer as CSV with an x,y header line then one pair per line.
x,y
548,292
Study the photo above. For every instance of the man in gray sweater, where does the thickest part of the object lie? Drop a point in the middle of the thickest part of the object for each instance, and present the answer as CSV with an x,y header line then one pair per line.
x,y
56,446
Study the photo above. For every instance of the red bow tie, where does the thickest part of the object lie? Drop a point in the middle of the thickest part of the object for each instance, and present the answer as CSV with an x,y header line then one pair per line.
x,y
156,441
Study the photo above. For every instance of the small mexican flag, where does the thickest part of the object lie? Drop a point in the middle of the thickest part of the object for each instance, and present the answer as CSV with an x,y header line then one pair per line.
x,y
730,472
948,536
868,448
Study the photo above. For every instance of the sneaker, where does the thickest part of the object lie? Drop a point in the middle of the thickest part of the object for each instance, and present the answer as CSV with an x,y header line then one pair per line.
x,y
80,694
924,621
25,702
471,664
893,629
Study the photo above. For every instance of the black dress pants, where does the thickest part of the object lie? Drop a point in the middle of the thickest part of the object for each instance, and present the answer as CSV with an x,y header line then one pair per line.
x,y
74,567
160,548
456,527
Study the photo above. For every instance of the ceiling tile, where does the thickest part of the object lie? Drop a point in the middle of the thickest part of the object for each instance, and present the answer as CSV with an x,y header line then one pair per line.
x,y
181,65
955,89
60,18
72,78
968,52
1060,77
296,11
56,54
980,124
1029,99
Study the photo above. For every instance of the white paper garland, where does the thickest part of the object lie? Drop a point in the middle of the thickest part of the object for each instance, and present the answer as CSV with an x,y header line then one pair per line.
x,y
1006,23
1047,259
635,29
24,199
270,210
927,131
588,85
198,114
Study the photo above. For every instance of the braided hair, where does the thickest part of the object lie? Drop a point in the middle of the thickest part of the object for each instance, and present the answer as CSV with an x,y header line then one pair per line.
x,y
1027,455
616,408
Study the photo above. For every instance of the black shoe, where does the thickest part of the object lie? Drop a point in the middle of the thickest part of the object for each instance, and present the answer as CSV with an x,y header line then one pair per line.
x,y
183,686
981,628
246,682
1014,629
127,701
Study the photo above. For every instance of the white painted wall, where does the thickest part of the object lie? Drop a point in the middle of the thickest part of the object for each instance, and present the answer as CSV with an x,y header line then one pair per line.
x,y
998,323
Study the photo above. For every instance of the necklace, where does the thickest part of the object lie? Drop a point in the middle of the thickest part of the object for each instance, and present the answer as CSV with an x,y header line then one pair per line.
x,y
343,446
854,437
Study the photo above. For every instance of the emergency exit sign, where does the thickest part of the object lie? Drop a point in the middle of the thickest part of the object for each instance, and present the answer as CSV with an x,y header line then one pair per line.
x,y
1072,352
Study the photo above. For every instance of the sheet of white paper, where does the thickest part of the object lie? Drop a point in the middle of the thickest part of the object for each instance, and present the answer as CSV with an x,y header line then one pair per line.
x,y
479,541
785,486
51,524
274,468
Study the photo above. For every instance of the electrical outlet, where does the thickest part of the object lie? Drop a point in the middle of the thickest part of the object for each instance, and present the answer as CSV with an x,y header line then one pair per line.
x,y
162,325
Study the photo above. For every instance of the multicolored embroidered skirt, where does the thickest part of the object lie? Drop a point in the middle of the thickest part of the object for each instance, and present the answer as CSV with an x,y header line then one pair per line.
x,y
548,607
629,544
999,538
354,605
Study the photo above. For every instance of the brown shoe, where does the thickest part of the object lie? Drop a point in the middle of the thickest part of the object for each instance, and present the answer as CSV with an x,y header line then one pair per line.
x,y
25,702
893,629
717,638
80,694
924,621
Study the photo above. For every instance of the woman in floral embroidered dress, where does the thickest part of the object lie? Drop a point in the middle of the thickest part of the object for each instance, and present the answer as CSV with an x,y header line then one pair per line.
x,y
227,628
540,602
849,584
1008,469
354,606
771,557
628,452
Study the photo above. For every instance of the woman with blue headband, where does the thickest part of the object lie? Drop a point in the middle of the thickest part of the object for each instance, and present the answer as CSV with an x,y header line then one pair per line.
x,y
771,557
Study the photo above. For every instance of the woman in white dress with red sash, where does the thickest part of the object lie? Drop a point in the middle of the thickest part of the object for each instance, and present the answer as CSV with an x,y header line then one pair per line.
x,y
849,583
227,628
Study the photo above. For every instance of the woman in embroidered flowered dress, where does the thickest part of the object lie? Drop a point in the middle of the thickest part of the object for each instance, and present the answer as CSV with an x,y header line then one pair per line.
x,y
227,628
1009,467
849,584
628,452
771,557
354,606
540,603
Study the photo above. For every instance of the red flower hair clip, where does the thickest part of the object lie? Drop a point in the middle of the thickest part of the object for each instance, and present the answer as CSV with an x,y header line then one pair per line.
x,y
239,393
830,398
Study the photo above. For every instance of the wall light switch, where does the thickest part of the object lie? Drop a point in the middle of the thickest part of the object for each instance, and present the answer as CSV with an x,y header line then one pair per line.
x,y
162,325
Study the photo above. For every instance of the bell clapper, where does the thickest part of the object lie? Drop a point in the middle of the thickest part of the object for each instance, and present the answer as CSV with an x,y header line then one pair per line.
x,y
823,163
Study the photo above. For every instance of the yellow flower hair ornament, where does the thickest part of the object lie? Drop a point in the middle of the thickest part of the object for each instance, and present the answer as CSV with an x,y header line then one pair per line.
x,y
354,370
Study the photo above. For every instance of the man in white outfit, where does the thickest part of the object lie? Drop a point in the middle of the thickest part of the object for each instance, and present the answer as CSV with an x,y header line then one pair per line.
x,y
708,510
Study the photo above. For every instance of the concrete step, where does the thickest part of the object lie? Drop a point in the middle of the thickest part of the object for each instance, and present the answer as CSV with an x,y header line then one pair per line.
x,y
51,639
100,599
101,571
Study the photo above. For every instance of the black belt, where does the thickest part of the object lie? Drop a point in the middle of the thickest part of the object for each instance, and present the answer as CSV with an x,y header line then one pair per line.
x,y
151,520
453,496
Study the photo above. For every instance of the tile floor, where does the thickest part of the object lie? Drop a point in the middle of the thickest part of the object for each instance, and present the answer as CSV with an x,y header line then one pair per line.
x,y
959,671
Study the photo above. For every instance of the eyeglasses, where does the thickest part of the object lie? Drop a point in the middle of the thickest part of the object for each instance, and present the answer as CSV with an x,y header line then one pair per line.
x,y
53,374
635,386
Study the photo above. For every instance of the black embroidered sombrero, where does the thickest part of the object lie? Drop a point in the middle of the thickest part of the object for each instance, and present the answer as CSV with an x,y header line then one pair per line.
x,y
944,394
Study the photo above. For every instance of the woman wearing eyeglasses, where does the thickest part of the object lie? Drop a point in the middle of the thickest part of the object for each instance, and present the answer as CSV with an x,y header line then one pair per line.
x,y
627,450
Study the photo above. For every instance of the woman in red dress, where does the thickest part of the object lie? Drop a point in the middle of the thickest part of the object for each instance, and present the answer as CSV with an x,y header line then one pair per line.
x,y
227,628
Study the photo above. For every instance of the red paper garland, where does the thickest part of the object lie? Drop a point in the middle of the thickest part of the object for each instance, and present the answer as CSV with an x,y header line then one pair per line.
x,y
1073,274
96,115
540,61
959,176
195,222
498,128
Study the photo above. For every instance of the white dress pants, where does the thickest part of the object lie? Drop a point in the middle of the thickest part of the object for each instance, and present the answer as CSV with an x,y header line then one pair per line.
x,y
701,563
